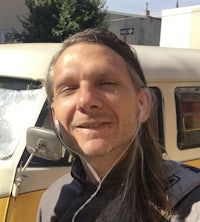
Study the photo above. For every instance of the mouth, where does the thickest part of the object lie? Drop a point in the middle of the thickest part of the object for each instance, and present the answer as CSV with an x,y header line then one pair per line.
x,y
92,125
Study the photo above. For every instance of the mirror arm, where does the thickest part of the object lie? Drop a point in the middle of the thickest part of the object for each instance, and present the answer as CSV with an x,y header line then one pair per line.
x,y
27,163
19,176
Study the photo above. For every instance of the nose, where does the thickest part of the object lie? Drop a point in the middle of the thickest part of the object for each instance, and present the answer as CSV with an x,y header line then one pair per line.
x,y
88,99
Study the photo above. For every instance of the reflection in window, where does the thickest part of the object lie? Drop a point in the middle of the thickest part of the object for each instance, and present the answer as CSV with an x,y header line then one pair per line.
x,y
16,108
188,117
191,115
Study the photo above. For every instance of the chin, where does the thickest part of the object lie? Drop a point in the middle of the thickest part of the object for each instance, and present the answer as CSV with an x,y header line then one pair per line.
x,y
95,149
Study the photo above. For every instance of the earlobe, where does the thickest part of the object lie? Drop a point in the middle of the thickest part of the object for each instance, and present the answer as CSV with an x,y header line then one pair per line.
x,y
144,105
57,125
140,117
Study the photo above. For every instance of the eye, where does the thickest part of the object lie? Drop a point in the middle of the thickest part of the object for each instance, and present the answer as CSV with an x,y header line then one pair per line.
x,y
108,86
67,90
108,82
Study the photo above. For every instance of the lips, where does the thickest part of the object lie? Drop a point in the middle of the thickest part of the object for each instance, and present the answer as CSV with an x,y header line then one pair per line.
x,y
91,125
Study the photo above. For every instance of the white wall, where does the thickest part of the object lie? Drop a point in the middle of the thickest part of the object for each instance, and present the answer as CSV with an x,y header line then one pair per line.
x,y
180,27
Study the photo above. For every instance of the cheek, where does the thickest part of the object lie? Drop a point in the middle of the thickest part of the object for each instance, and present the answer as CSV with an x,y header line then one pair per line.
x,y
62,110
129,118
127,112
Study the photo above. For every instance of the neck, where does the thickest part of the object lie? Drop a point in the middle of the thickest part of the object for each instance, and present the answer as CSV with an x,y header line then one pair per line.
x,y
102,165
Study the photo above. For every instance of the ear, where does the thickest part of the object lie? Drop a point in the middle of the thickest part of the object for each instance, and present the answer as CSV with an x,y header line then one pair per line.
x,y
144,105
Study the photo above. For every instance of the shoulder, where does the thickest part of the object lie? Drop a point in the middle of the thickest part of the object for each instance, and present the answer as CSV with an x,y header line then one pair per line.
x,y
50,198
183,189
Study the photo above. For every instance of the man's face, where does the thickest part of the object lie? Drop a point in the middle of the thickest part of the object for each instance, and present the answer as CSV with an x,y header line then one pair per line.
x,y
94,99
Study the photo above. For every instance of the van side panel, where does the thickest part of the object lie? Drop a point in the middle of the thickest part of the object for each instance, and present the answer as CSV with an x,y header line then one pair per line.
x,y
24,207
194,163
3,207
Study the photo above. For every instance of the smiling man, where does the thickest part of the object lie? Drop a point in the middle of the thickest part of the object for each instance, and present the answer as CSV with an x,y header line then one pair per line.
x,y
101,107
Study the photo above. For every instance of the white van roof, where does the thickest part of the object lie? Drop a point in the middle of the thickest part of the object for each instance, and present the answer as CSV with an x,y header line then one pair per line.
x,y
169,64
26,60
31,60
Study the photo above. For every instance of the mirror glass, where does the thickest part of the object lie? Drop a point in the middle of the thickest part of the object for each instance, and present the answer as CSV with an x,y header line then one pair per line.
x,y
43,143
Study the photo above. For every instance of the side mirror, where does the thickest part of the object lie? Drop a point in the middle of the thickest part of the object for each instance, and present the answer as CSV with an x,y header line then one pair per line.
x,y
43,143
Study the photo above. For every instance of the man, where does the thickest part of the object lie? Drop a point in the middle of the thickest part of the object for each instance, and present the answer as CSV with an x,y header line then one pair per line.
x,y
101,108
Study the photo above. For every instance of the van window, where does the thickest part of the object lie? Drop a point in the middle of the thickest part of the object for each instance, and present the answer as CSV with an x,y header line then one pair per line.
x,y
188,117
18,97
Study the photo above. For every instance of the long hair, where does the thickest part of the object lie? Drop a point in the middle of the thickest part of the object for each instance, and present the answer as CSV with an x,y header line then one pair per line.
x,y
142,198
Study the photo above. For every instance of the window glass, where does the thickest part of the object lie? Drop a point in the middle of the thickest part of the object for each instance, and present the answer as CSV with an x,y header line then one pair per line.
x,y
18,99
188,117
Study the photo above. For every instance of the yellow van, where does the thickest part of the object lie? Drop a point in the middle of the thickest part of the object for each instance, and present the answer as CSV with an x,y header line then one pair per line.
x,y
31,157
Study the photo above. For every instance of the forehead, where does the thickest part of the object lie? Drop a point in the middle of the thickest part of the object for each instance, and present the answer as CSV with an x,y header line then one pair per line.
x,y
92,58
85,51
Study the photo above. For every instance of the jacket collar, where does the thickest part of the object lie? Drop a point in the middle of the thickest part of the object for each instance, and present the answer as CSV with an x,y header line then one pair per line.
x,y
115,177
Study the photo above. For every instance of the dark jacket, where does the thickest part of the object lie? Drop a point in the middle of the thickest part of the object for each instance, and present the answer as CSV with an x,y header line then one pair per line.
x,y
66,195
